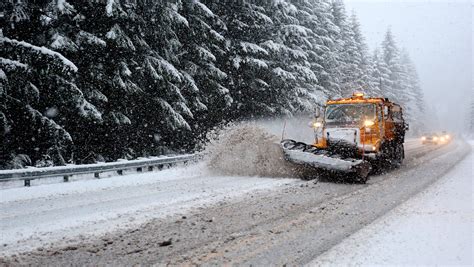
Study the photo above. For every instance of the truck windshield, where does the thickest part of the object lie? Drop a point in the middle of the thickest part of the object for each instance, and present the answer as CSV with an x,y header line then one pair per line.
x,y
349,113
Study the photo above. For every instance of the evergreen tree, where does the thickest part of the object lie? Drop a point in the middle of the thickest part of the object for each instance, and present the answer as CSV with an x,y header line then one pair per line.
x,y
247,27
166,108
361,77
393,87
330,77
204,55
415,108
39,98
312,16
347,53
106,75
291,51
45,90
379,74
131,71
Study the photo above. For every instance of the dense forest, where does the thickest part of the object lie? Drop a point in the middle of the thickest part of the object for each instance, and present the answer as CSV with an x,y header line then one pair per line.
x,y
86,81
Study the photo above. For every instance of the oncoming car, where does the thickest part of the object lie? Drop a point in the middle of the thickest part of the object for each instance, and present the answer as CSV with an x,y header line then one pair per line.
x,y
448,137
435,138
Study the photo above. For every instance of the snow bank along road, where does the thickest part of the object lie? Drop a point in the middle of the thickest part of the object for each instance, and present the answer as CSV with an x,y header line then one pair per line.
x,y
186,216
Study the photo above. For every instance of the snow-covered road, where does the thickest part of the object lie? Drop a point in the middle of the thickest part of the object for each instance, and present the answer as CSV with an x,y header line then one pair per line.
x,y
52,216
31,216
433,228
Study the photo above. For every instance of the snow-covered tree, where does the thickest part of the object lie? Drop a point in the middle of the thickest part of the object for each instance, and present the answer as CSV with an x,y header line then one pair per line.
x,y
106,55
379,74
394,87
247,27
313,16
361,77
330,76
204,55
167,108
39,97
292,60
415,107
346,48
135,76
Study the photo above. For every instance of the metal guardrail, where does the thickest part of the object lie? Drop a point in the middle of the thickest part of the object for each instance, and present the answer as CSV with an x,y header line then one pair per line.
x,y
27,175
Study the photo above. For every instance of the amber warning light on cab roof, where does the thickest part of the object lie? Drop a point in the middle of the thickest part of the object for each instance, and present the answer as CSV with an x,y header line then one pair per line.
x,y
357,95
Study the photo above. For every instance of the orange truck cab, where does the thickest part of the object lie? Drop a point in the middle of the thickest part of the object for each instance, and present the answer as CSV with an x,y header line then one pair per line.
x,y
375,126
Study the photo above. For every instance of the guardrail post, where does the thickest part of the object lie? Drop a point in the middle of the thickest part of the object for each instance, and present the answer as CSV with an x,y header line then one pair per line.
x,y
97,175
139,169
27,182
120,172
66,178
150,168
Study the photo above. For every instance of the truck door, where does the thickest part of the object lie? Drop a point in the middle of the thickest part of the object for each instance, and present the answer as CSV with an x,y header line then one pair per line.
x,y
380,121
389,125
399,124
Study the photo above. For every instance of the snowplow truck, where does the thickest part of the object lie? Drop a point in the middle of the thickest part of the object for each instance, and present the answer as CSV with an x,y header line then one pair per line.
x,y
355,135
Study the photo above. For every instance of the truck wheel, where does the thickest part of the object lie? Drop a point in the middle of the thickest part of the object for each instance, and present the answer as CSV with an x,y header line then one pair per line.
x,y
386,158
398,155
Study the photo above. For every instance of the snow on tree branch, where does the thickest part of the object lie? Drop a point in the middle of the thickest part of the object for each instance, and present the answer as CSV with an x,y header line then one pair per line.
x,y
41,50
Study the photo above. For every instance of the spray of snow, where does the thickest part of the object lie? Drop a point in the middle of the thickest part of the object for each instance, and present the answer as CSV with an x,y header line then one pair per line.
x,y
246,150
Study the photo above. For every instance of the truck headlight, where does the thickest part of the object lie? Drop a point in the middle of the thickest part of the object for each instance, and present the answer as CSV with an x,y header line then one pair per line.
x,y
368,123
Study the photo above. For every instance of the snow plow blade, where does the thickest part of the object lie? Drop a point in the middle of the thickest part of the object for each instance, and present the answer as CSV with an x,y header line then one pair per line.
x,y
321,159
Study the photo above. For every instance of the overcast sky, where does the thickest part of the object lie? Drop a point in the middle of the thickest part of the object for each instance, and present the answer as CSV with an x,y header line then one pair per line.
x,y
439,37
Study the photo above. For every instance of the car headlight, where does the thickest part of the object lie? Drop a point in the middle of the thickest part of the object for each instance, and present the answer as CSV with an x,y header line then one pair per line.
x,y
368,123
447,136
442,139
423,138
435,138
317,124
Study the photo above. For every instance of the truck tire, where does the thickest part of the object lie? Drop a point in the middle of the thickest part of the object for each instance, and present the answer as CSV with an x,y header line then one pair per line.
x,y
398,155
385,160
